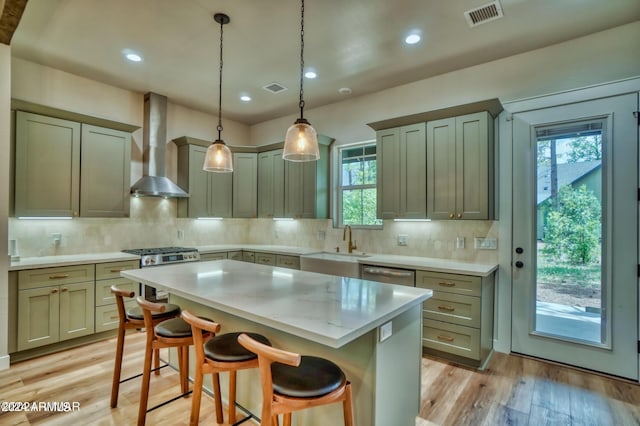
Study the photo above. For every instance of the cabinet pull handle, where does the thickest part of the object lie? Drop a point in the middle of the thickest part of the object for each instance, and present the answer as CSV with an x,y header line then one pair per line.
x,y
445,338
58,276
117,270
64,289
459,216
114,317
450,215
55,290
446,308
445,284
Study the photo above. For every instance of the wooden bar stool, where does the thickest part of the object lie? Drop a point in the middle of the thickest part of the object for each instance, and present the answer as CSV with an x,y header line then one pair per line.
x,y
217,355
291,382
133,319
170,333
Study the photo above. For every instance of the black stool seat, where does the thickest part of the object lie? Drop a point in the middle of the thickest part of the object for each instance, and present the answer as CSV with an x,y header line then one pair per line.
x,y
225,347
170,310
173,328
314,377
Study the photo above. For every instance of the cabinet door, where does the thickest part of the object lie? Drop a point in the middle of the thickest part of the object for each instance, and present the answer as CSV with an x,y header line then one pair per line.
x,y
234,255
38,317
47,166
77,312
472,166
300,189
245,185
388,177
441,168
194,180
271,184
413,172
220,194
104,172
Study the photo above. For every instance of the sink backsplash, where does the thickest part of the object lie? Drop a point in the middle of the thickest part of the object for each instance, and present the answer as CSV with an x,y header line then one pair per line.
x,y
153,223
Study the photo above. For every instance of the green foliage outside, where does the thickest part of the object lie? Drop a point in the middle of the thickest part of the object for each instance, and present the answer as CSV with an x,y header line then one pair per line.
x,y
573,230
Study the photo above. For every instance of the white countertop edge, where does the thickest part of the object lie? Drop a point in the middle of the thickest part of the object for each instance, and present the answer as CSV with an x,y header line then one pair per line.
x,y
69,260
261,248
430,264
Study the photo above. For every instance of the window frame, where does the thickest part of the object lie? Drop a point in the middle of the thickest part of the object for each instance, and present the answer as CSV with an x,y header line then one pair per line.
x,y
338,222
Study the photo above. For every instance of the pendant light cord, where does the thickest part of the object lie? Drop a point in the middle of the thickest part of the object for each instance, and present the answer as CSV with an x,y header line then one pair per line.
x,y
301,60
219,128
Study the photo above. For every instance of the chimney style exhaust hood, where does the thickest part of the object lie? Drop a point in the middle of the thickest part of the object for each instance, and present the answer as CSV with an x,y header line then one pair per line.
x,y
154,182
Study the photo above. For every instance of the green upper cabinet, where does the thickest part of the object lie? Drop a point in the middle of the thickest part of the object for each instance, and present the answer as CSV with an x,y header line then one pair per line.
x,y
64,168
47,169
271,184
460,167
105,172
306,187
401,177
245,184
210,194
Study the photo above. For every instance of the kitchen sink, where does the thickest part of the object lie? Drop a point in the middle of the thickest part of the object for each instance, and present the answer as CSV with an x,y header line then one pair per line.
x,y
332,263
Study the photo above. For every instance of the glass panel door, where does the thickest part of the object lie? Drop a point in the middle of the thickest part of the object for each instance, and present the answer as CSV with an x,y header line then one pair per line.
x,y
575,234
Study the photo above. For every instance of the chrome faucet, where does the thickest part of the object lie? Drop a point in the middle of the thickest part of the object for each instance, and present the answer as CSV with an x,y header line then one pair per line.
x,y
352,244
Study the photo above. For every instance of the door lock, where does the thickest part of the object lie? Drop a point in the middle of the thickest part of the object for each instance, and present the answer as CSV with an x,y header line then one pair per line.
x,y
519,264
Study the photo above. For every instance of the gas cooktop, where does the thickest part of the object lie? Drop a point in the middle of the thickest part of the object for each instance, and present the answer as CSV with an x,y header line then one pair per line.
x,y
159,250
163,255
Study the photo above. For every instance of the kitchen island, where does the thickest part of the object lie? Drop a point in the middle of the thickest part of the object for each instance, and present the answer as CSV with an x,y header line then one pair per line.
x,y
333,317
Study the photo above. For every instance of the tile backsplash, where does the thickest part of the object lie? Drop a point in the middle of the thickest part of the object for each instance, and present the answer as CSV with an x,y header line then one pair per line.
x,y
153,223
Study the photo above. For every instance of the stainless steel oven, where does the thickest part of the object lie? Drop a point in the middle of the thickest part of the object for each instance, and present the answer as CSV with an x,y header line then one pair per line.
x,y
150,257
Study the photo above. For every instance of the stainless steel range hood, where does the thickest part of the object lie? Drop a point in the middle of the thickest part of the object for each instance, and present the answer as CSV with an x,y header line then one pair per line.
x,y
154,181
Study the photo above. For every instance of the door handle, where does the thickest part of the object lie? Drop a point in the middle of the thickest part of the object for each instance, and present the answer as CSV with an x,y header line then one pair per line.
x,y
519,264
519,250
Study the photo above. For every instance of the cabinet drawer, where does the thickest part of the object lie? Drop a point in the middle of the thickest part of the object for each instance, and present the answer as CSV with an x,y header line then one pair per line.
x,y
213,256
112,269
453,308
248,256
265,258
103,290
35,278
450,283
234,255
107,316
451,338
291,262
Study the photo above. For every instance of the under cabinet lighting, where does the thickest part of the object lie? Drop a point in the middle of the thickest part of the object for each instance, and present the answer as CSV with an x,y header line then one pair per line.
x,y
209,218
412,220
45,217
283,218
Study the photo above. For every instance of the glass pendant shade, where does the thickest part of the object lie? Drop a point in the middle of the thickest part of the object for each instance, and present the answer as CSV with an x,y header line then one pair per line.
x,y
301,142
218,158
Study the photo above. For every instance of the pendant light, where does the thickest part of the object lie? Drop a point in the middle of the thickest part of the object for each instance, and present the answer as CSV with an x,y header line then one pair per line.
x,y
218,157
301,142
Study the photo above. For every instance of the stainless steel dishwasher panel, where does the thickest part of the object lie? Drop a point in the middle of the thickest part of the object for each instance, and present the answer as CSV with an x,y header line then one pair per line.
x,y
389,275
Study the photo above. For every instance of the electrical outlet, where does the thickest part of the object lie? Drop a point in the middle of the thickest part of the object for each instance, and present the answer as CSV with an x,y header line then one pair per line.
x,y
55,238
460,242
403,240
180,234
321,235
485,243
386,330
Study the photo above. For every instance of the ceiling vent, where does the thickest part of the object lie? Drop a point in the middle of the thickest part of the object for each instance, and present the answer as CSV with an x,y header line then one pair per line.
x,y
483,14
274,87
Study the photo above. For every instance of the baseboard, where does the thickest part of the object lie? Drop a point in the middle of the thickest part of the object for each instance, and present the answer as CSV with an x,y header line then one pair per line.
x,y
4,362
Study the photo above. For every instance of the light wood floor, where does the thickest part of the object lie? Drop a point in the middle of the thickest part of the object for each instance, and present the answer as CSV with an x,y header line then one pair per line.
x,y
512,391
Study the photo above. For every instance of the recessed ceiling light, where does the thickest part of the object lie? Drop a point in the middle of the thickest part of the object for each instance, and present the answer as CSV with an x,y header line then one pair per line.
x,y
310,74
132,55
245,98
413,38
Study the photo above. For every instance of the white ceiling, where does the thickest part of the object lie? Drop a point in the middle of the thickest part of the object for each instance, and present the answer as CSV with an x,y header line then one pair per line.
x,y
350,43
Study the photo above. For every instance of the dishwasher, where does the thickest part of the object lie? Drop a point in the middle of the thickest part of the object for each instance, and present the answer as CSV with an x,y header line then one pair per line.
x,y
389,275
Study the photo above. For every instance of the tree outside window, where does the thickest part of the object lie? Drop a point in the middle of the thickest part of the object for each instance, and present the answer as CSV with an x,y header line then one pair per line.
x,y
357,193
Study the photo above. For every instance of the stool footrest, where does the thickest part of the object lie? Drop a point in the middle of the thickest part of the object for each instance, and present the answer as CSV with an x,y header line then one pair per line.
x,y
162,404
250,415
138,375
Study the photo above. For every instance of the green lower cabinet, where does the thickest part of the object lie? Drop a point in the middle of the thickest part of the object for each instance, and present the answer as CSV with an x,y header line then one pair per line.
x,y
54,313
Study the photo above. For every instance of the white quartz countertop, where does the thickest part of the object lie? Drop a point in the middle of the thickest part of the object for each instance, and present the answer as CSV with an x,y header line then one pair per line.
x,y
430,264
322,308
69,259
